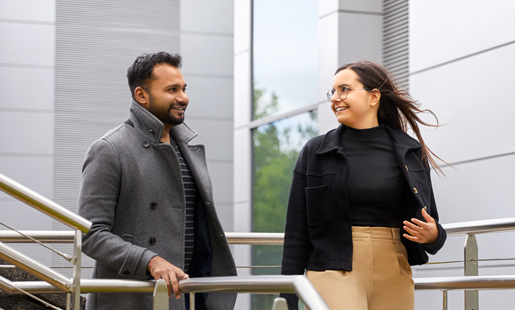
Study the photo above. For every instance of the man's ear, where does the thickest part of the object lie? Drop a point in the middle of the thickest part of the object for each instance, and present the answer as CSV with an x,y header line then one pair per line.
x,y
141,96
375,96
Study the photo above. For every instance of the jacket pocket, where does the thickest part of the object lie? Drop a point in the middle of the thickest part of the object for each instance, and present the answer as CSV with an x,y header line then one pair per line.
x,y
319,204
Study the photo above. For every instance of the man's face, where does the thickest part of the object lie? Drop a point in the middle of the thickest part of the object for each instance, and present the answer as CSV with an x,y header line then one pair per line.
x,y
167,94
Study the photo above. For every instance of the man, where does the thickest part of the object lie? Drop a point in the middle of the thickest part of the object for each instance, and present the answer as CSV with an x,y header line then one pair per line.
x,y
148,194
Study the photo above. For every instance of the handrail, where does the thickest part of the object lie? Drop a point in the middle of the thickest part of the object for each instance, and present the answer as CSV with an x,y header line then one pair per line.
x,y
31,266
466,283
254,284
251,284
480,227
45,236
256,238
43,204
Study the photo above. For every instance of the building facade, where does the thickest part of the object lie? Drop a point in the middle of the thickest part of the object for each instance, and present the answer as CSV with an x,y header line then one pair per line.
x,y
257,74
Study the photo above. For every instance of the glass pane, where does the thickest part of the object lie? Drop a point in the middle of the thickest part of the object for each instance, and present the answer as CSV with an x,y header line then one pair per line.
x,y
276,149
285,53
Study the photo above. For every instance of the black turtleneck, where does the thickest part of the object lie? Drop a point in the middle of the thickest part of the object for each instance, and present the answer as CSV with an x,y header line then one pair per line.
x,y
376,187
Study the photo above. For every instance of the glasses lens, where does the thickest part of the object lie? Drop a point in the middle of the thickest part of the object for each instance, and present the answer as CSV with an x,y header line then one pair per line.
x,y
343,92
330,94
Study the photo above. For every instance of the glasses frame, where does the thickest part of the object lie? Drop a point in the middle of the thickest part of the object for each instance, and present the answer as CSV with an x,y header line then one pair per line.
x,y
330,93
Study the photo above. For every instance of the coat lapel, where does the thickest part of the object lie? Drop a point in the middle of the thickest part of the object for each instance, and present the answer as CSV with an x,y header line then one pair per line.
x,y
195,157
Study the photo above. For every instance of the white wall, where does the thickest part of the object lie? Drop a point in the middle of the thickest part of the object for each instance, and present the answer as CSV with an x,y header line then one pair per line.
x,y
462,64
27,36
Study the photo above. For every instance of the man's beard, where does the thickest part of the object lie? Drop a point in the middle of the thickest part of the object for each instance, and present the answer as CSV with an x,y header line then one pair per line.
x,y
164,116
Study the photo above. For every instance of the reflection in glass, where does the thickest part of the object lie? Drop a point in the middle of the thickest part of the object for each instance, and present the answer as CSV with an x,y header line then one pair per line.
x,y
285,51
275,152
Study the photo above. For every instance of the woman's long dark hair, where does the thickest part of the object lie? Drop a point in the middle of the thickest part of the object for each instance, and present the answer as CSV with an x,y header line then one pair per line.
x,y
396,107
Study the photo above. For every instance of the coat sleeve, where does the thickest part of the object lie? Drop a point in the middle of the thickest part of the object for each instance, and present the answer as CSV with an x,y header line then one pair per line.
x,y
296,238
434,247
101,179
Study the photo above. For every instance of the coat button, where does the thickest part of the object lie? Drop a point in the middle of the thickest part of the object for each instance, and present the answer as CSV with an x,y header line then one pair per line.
x,y
151,131
127,272
152,241
415,190
146,144
153,205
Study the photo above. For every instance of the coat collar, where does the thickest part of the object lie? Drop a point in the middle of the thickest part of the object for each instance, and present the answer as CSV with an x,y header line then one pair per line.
x,y
402,142
152,128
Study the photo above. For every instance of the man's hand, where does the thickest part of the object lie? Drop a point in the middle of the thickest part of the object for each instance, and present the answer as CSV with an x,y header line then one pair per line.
x,y
419,231
162,269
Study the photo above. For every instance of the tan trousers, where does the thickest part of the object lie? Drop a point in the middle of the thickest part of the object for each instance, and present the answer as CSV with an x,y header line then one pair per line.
x,y
380,278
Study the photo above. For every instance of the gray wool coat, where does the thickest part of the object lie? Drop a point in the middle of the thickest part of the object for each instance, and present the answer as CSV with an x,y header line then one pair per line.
x,y
132,192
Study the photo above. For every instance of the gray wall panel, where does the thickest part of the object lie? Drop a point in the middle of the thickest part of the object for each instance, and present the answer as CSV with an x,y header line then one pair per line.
x,y
221,176
27,44
396,40
28,10
13,210
478,190
353,28
207,55
207,47
453,28
33,172
209,97
96,41
27,88
214,135
225,214
26,132
208,16
480,123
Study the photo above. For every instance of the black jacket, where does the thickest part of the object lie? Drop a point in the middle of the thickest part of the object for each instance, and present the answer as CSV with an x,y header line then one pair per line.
x,y
318,233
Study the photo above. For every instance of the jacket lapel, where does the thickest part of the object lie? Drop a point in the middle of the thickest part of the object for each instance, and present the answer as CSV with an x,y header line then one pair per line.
x,y
195,157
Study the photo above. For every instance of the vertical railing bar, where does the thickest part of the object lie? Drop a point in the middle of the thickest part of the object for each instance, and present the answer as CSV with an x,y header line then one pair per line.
x,y
445,300
192,300
77,264
68,301
471,269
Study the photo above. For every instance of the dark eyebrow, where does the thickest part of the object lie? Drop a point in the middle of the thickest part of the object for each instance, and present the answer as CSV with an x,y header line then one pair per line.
x,y
176,85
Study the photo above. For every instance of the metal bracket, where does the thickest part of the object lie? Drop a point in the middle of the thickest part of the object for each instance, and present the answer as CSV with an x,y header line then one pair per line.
x,y
161,298
280,304
471,269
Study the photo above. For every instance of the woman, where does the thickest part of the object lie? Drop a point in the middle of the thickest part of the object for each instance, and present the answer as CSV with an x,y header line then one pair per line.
x,y
361,207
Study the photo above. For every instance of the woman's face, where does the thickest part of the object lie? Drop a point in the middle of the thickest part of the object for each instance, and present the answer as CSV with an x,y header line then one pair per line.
x,y
359,109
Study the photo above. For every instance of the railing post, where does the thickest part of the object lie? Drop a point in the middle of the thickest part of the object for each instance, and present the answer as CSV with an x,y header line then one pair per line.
x,y
161,298
192,300
77,264
471,269
445,300
280,304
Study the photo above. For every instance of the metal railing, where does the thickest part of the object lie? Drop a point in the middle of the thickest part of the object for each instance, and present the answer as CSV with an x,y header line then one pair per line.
x,y
55,282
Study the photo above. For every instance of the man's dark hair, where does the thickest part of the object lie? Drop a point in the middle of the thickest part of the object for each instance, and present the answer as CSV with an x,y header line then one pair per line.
x,y
141,70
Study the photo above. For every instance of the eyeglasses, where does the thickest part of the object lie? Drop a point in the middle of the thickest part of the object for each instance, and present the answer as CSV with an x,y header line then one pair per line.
x,y
343,92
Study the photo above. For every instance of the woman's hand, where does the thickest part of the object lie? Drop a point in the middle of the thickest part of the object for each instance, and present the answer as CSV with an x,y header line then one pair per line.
x,y
419,231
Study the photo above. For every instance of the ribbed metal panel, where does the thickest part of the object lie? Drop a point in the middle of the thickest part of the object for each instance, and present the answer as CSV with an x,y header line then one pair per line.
x,y
96,41
396,39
